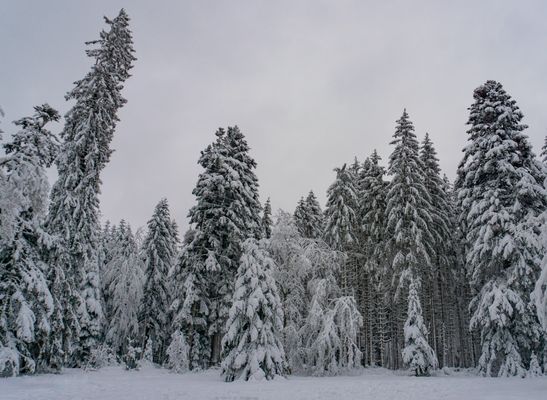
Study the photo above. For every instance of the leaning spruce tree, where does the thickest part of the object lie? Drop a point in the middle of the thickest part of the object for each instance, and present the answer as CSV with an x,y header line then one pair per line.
x,y
252,345
74,211
159,251
25,301
500,195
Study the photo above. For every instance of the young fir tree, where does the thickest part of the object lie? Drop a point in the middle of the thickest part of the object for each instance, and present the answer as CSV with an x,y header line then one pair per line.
x,y
74,211
418,355
252,345
26,303
159,252
267,220
177,353
227,212
409,241
125,274
500,195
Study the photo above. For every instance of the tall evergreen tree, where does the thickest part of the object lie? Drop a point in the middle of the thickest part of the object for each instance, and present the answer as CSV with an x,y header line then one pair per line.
x,y
267,219
227,213
74,211
408,247
544,151
252,345
341,220
500,194
373,280
159,252
436,282
26,303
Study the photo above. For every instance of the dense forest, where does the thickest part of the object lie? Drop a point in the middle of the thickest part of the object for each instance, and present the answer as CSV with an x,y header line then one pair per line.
x,y
402,268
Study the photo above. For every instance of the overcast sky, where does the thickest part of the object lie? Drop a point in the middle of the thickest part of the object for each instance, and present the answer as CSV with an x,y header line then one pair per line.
x,y
310,83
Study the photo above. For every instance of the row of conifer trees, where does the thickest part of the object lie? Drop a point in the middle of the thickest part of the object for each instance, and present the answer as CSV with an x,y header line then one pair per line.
x,y
402,269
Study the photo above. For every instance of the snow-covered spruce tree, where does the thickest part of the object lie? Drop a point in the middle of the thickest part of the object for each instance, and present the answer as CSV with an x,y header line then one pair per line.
x,y
159,252
544,151
74,212
418,355
177,353
291,274
500,195
227,212
267,219
341,220
252,346
314,221
373,277
26,303
409,241
330,332
309,218
125,274
436,282
340,213
299,215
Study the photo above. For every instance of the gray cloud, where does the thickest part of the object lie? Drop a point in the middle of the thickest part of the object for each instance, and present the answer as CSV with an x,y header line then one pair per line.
x,y
311,83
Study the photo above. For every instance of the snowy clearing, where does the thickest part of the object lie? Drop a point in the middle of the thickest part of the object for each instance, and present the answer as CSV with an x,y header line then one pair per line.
x,y
158,384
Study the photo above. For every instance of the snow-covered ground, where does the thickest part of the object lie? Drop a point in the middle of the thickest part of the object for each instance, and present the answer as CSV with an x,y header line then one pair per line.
x,y
158,384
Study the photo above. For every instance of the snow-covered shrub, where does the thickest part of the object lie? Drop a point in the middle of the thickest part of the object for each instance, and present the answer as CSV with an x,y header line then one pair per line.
x,y
132,356
100,357
177,353
330,333
9,362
